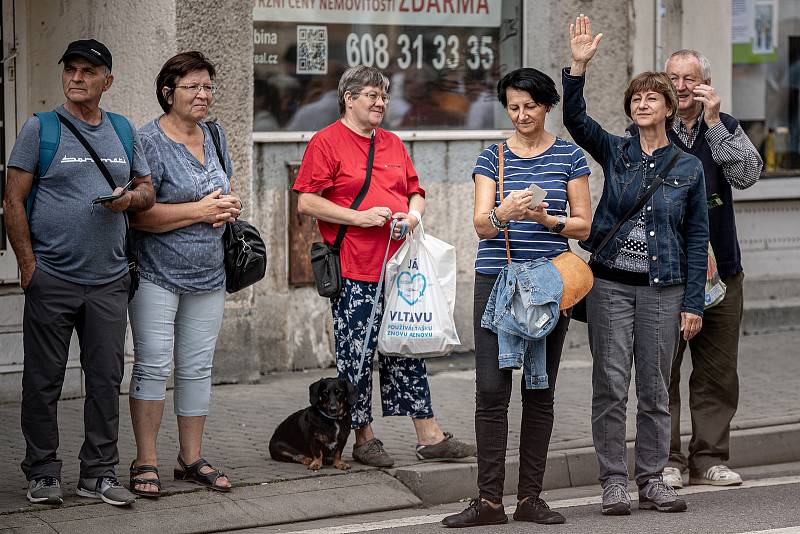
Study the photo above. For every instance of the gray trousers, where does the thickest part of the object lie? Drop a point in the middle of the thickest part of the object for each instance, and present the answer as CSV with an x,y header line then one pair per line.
x,y
53,308
630,324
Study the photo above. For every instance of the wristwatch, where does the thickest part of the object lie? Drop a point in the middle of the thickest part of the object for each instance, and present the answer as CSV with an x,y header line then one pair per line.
x,y
561,222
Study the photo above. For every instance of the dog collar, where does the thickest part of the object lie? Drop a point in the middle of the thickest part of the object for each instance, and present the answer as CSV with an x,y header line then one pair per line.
x,y
326,416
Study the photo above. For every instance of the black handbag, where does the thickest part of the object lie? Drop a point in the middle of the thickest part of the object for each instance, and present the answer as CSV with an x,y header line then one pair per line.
x,y
130,253
578,312
325,261
245,251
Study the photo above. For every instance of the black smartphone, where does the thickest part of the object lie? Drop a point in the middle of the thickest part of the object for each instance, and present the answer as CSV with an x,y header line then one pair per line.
x,y
110,198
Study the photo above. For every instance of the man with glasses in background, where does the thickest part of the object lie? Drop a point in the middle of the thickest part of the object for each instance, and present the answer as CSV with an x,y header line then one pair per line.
x,y
67,226
337,163
729,161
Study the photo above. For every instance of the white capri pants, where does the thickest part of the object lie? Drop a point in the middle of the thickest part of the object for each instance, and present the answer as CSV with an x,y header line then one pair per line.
x,y
166,324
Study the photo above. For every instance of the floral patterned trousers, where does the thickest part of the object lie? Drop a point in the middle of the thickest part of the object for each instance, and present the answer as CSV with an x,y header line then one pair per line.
x,y
404,381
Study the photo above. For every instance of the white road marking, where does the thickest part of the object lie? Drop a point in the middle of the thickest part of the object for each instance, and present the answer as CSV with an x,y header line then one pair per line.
x,y
787,530
563,503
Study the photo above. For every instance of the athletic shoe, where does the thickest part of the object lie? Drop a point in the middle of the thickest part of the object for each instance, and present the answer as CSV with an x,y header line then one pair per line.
x,y
45,490
107,489
657,495
478,513
372,453
616,500
717,475
673,477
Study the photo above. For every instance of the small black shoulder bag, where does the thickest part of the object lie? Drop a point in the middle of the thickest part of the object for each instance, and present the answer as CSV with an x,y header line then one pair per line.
x,y
245,251
325,261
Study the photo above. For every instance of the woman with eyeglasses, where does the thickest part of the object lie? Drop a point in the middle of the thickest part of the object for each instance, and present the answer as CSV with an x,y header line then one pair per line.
x,y
177,312
333,171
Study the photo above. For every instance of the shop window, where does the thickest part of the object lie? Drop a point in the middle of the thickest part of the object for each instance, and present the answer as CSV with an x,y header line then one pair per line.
x,y
766,79
443,59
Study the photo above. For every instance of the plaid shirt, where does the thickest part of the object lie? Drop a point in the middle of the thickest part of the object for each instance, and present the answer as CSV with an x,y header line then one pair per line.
x,y
740,161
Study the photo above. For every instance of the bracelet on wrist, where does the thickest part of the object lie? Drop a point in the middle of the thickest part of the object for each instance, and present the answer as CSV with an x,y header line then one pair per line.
x,y
495,221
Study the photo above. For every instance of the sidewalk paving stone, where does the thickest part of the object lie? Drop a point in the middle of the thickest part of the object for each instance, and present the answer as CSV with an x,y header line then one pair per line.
x,y
243,417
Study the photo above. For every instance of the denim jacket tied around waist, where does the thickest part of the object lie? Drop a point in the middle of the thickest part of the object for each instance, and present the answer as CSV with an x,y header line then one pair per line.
x,y
522,309
676,216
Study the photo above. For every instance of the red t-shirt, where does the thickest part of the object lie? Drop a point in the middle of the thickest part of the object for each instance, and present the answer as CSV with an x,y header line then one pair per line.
x,y
335,164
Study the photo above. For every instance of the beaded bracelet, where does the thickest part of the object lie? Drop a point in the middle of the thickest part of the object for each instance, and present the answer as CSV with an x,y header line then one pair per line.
x,y
495,221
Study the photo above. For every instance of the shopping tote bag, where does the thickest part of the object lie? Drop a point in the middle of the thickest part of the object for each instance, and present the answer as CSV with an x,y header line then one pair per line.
x,y
419,299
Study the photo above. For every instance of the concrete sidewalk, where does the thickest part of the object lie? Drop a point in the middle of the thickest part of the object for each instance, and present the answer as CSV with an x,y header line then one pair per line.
x,y
767,430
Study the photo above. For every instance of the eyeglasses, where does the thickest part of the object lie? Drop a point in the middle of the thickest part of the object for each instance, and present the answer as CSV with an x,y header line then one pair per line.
x,y
195,88
373,96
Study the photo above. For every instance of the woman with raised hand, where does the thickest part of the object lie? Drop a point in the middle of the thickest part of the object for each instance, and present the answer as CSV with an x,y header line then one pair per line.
x,y
649,256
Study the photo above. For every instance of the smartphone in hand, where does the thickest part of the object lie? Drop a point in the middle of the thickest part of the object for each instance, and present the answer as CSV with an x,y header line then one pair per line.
x,y
539,195
111,198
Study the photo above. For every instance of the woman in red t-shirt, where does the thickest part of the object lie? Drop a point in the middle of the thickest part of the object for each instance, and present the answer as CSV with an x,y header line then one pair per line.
x,y
332,173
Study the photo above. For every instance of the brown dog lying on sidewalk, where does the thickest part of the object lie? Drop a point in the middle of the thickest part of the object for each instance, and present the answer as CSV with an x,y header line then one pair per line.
x,y
317,434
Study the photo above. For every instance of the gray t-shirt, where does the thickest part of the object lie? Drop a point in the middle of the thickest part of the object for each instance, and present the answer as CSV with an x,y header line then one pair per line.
x,y
70,240
188,259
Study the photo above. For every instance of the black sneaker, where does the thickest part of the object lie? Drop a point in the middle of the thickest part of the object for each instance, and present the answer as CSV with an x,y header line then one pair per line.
x,y
657,495
535,510
477,514
45,490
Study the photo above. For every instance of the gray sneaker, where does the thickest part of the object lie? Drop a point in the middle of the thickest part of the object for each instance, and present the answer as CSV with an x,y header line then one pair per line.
x,y
616,500
108,489
658,495
449,448
45,490
372,453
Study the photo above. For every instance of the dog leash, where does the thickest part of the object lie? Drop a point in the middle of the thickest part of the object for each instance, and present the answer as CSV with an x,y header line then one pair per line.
x,y
371,322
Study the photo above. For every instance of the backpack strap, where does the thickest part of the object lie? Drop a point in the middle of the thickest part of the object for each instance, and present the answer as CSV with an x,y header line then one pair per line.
x,y
125,133
49,139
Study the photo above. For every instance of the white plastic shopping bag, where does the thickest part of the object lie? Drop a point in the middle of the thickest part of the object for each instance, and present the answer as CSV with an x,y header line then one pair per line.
x,y
419,299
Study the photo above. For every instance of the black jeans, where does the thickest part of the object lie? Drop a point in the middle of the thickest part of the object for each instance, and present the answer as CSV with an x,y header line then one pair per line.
x,y
53,308
493,392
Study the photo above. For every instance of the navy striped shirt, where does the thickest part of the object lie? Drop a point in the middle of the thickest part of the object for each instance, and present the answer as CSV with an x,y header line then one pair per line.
x,y
550,170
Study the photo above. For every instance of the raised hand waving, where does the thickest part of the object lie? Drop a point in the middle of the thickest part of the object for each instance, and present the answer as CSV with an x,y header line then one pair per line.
x,y
582,44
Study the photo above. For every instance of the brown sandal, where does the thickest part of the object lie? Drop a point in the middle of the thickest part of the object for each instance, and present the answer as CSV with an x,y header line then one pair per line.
x,y
191,473
136,470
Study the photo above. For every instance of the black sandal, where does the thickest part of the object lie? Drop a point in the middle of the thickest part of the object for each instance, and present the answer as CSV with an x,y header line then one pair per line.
x,y
191,473
136,470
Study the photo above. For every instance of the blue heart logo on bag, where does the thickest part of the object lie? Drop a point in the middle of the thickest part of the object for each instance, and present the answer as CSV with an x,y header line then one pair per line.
x,y
410,287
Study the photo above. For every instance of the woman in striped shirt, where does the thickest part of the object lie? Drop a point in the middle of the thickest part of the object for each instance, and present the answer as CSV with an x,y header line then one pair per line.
x,y
532,155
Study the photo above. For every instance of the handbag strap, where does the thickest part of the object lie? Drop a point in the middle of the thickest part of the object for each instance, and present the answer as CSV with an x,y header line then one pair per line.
x,y
213,129
361,194
97,161
657,181
500,149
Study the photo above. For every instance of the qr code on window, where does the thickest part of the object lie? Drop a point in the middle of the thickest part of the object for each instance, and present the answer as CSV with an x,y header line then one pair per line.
x,y
312,50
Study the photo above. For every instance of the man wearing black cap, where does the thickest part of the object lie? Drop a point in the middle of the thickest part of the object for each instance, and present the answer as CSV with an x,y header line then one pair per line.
x,y
73,269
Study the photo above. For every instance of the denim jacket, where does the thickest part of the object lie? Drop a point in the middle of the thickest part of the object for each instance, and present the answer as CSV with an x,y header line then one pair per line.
x,y
676,216
522,310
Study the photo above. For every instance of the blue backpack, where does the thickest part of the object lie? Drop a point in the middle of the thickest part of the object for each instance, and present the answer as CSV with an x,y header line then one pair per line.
x,y
50,137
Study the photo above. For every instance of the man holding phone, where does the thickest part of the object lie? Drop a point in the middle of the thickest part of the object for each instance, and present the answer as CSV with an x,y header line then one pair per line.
x,y
74,269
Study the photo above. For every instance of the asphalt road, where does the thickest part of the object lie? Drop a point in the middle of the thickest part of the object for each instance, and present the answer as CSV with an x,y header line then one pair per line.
x,y
768,504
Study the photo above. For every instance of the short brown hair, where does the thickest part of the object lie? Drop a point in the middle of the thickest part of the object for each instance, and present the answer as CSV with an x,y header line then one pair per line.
x,y
657,82
177,67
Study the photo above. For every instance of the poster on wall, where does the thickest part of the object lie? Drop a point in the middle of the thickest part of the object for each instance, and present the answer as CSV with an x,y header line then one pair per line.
x,y
754,31
443,59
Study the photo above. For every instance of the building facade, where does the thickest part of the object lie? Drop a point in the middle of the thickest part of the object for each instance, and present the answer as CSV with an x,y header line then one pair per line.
x,y
278,62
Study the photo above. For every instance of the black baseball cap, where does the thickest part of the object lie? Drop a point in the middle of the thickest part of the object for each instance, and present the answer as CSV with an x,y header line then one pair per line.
x,y
95,51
